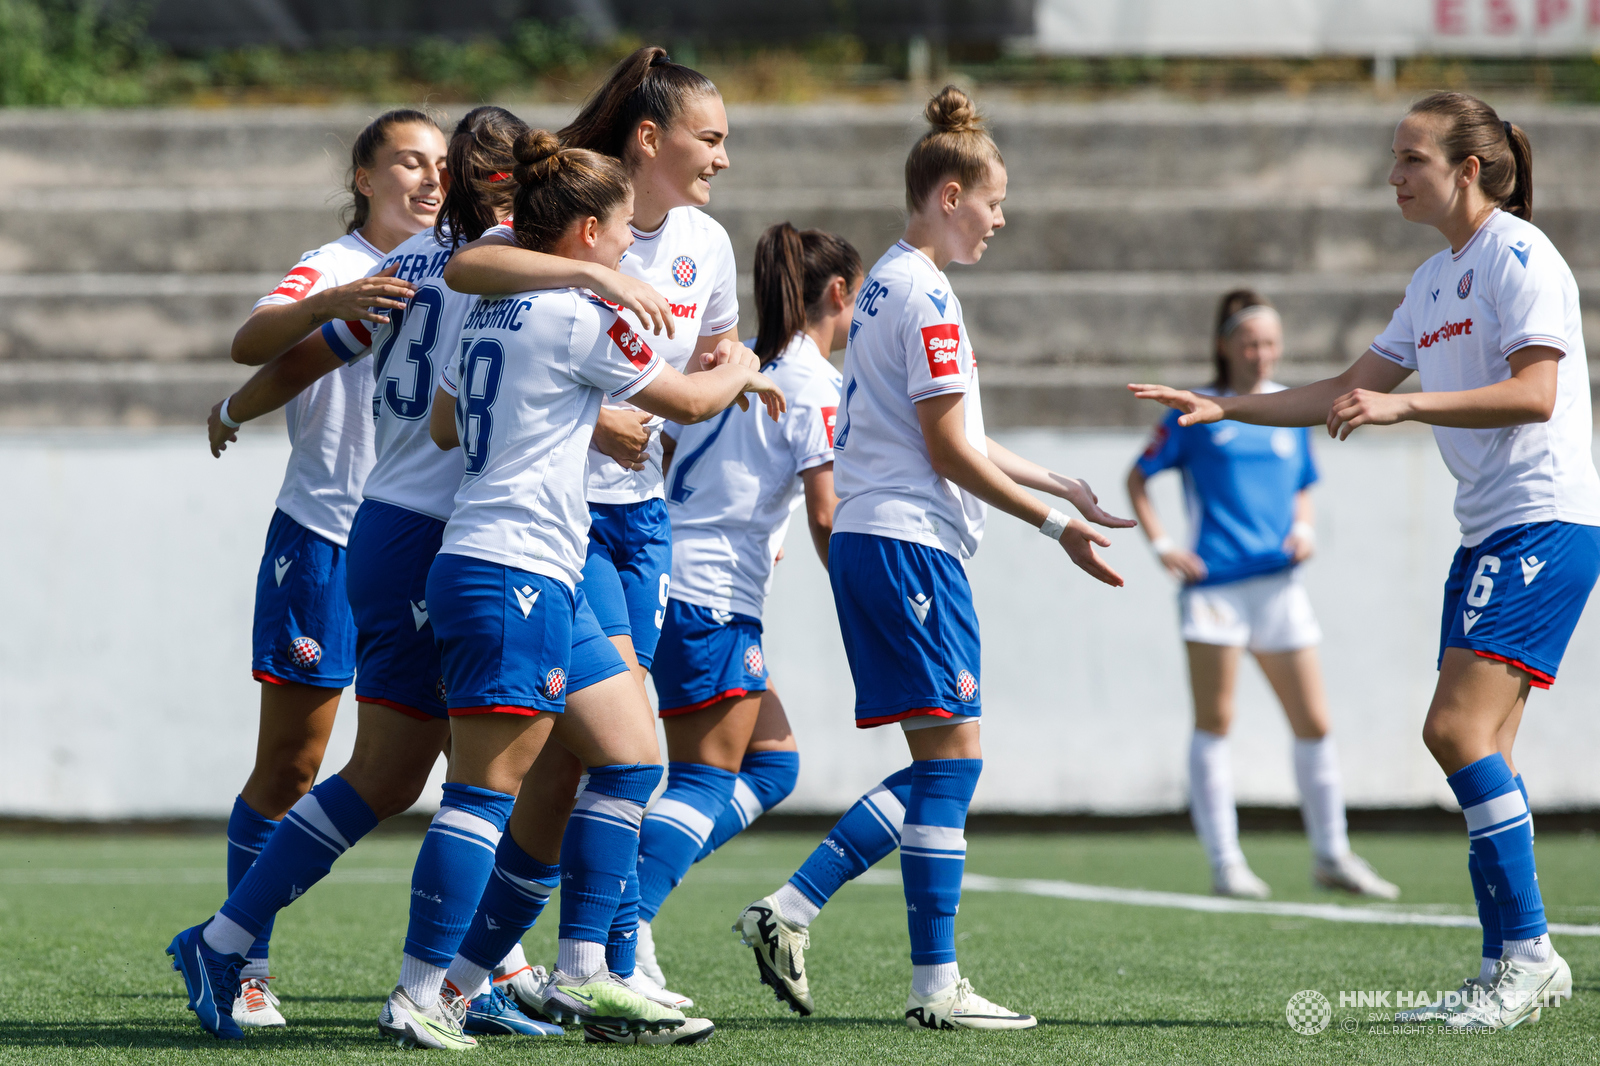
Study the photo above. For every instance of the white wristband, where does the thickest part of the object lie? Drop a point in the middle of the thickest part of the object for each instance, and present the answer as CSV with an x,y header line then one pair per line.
x,y
1163,544
1304,531
1054,524
223,414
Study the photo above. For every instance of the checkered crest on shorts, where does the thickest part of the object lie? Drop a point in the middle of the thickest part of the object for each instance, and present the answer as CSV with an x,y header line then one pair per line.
x,y
966,686
753,663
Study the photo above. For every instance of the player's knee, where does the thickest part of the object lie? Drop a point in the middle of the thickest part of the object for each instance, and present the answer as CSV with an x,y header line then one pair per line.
x,y
281,783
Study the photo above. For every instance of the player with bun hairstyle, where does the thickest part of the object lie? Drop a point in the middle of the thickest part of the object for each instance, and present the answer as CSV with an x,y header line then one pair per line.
x,y
1493,326
732,484
915,474
1249,494
666,123
524,661
409,493
304,638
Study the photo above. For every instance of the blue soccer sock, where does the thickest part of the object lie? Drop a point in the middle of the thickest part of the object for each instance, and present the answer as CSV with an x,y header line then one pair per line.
x,y
1488,911
518,889
765,780
599,850
677,827
453,867
933,852
1499,828
248,833
622,945
326,822
866,835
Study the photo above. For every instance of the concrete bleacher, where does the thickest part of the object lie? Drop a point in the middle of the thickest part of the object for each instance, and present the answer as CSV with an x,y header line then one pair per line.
x,y
132,244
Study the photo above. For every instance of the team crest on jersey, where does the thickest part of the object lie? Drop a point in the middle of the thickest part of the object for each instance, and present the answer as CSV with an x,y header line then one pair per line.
x,y
1464,286
683,271
753,664
966,686
297,283
440,691
305,652
555,683
942,342
632,345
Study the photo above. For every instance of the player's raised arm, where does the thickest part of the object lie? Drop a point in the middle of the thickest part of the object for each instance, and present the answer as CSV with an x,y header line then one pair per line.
x,y
1308,405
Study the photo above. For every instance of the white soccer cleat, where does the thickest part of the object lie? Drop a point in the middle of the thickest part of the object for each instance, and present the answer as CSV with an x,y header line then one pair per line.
x,y
1236,881
640,982
526,989
1351,873
957,1006
1517,994
257,1007
437,1028
1453,1003
692,1031
780,946
644,955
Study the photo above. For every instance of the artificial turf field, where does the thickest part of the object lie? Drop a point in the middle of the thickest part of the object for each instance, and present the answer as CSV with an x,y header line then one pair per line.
x,y
84,921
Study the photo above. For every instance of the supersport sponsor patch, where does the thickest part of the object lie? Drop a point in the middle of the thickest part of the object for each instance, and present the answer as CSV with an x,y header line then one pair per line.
x,y
296,284
632,345
942,342
1445,332
830,418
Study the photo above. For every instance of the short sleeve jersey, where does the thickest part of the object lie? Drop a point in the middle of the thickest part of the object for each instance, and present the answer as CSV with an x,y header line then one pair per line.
x,y
529,379
689,260
735,481
1240,482
907,344
1464,314
330,433
411,350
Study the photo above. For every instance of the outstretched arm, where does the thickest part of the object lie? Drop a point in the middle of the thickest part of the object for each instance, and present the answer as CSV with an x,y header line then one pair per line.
x,y
1307,405
1528,395
943,420
687,400
1031,475
489,265
269,388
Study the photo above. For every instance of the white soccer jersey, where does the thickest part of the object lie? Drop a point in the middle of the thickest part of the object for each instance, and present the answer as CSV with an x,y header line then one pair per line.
x,y
907,344
329,431
412,348
528,382
735,480
689,260
1463,314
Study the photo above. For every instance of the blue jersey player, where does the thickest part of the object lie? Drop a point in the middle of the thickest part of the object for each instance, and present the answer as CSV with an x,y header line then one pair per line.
x,y
1248,490
1493,327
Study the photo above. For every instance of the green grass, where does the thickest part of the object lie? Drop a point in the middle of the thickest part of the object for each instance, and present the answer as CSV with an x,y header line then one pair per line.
x,y
83,977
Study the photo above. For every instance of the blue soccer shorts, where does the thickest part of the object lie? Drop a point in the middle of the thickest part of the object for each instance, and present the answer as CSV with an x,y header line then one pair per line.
x,y
1517,596
628,571
512,641
909,627
705,657
303,630
397,658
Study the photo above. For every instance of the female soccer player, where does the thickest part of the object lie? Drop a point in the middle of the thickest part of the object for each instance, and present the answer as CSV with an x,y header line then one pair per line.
x,y
667,124
732,484
503,600
1493,326
304,639
1249,493
914,472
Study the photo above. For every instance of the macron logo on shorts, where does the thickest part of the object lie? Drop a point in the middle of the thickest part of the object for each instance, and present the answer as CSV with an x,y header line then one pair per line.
x,y
281,565
920,602
527,596
942,342
1530,568
632,345
297,283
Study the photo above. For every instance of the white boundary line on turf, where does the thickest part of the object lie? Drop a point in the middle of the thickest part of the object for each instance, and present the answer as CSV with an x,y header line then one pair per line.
x,y
1139,897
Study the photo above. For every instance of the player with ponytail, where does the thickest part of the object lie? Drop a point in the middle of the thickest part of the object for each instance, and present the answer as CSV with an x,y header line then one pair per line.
x,y
1493,327
915,473
732,484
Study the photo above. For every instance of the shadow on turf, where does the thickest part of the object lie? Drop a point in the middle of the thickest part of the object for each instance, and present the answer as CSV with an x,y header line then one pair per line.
x,y
161,1033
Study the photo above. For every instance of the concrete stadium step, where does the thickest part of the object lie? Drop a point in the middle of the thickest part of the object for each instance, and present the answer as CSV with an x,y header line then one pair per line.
x,y
173,230
1267,146
1017,319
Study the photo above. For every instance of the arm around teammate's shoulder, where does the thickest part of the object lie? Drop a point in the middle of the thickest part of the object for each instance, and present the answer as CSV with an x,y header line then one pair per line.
x,y
689,399
943,421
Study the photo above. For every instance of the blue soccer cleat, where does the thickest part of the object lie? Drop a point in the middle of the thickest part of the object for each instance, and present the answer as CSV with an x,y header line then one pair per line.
x,y
495,1014
212,980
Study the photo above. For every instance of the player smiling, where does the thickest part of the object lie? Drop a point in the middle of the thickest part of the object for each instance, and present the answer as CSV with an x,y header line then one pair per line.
x,y
1493,327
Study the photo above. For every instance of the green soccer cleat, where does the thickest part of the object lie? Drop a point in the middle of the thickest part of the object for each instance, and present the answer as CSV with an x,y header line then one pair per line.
x,y
692,1031
603,998
438,1028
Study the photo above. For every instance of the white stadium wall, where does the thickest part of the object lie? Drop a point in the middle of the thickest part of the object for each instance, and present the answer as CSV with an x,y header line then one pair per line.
x,y
131,556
